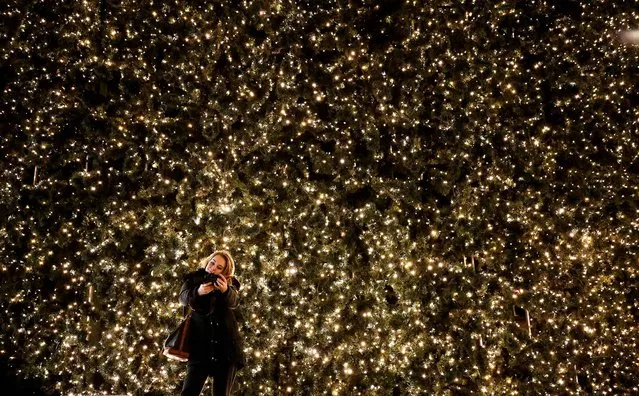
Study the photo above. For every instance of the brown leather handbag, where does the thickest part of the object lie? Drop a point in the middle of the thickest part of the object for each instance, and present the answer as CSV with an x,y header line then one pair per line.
x,y
176,345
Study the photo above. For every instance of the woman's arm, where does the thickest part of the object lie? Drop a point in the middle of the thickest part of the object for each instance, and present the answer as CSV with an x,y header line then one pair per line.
x,y
232,297
188,293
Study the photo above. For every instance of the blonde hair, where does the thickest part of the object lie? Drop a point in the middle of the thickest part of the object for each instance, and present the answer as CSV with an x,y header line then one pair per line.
x,y
229,269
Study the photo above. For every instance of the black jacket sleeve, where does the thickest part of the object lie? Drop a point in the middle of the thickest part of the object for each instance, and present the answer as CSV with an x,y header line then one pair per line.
x,y
232,295
188,293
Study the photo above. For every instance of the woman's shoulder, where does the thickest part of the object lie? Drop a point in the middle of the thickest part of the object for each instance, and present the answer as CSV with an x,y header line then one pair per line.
x,y
236,283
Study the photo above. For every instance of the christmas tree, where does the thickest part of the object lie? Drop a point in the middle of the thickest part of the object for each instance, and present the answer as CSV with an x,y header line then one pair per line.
x,y
421,198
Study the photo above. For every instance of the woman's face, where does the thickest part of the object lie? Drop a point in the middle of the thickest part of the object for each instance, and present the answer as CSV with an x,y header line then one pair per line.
x,y
216,265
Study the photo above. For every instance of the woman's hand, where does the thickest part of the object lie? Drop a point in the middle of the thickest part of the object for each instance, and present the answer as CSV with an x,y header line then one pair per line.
x,y
221,284
205,288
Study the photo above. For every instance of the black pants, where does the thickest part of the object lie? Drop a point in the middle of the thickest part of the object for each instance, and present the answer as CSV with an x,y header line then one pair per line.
x,y
223,378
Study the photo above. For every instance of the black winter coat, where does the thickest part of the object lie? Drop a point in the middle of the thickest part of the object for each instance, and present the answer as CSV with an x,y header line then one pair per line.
x,y
214,330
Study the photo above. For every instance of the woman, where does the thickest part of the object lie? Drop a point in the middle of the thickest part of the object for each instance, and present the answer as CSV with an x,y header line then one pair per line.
x,y
216,347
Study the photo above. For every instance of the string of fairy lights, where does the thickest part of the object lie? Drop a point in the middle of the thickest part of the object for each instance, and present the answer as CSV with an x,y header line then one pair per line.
x,y
421,198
